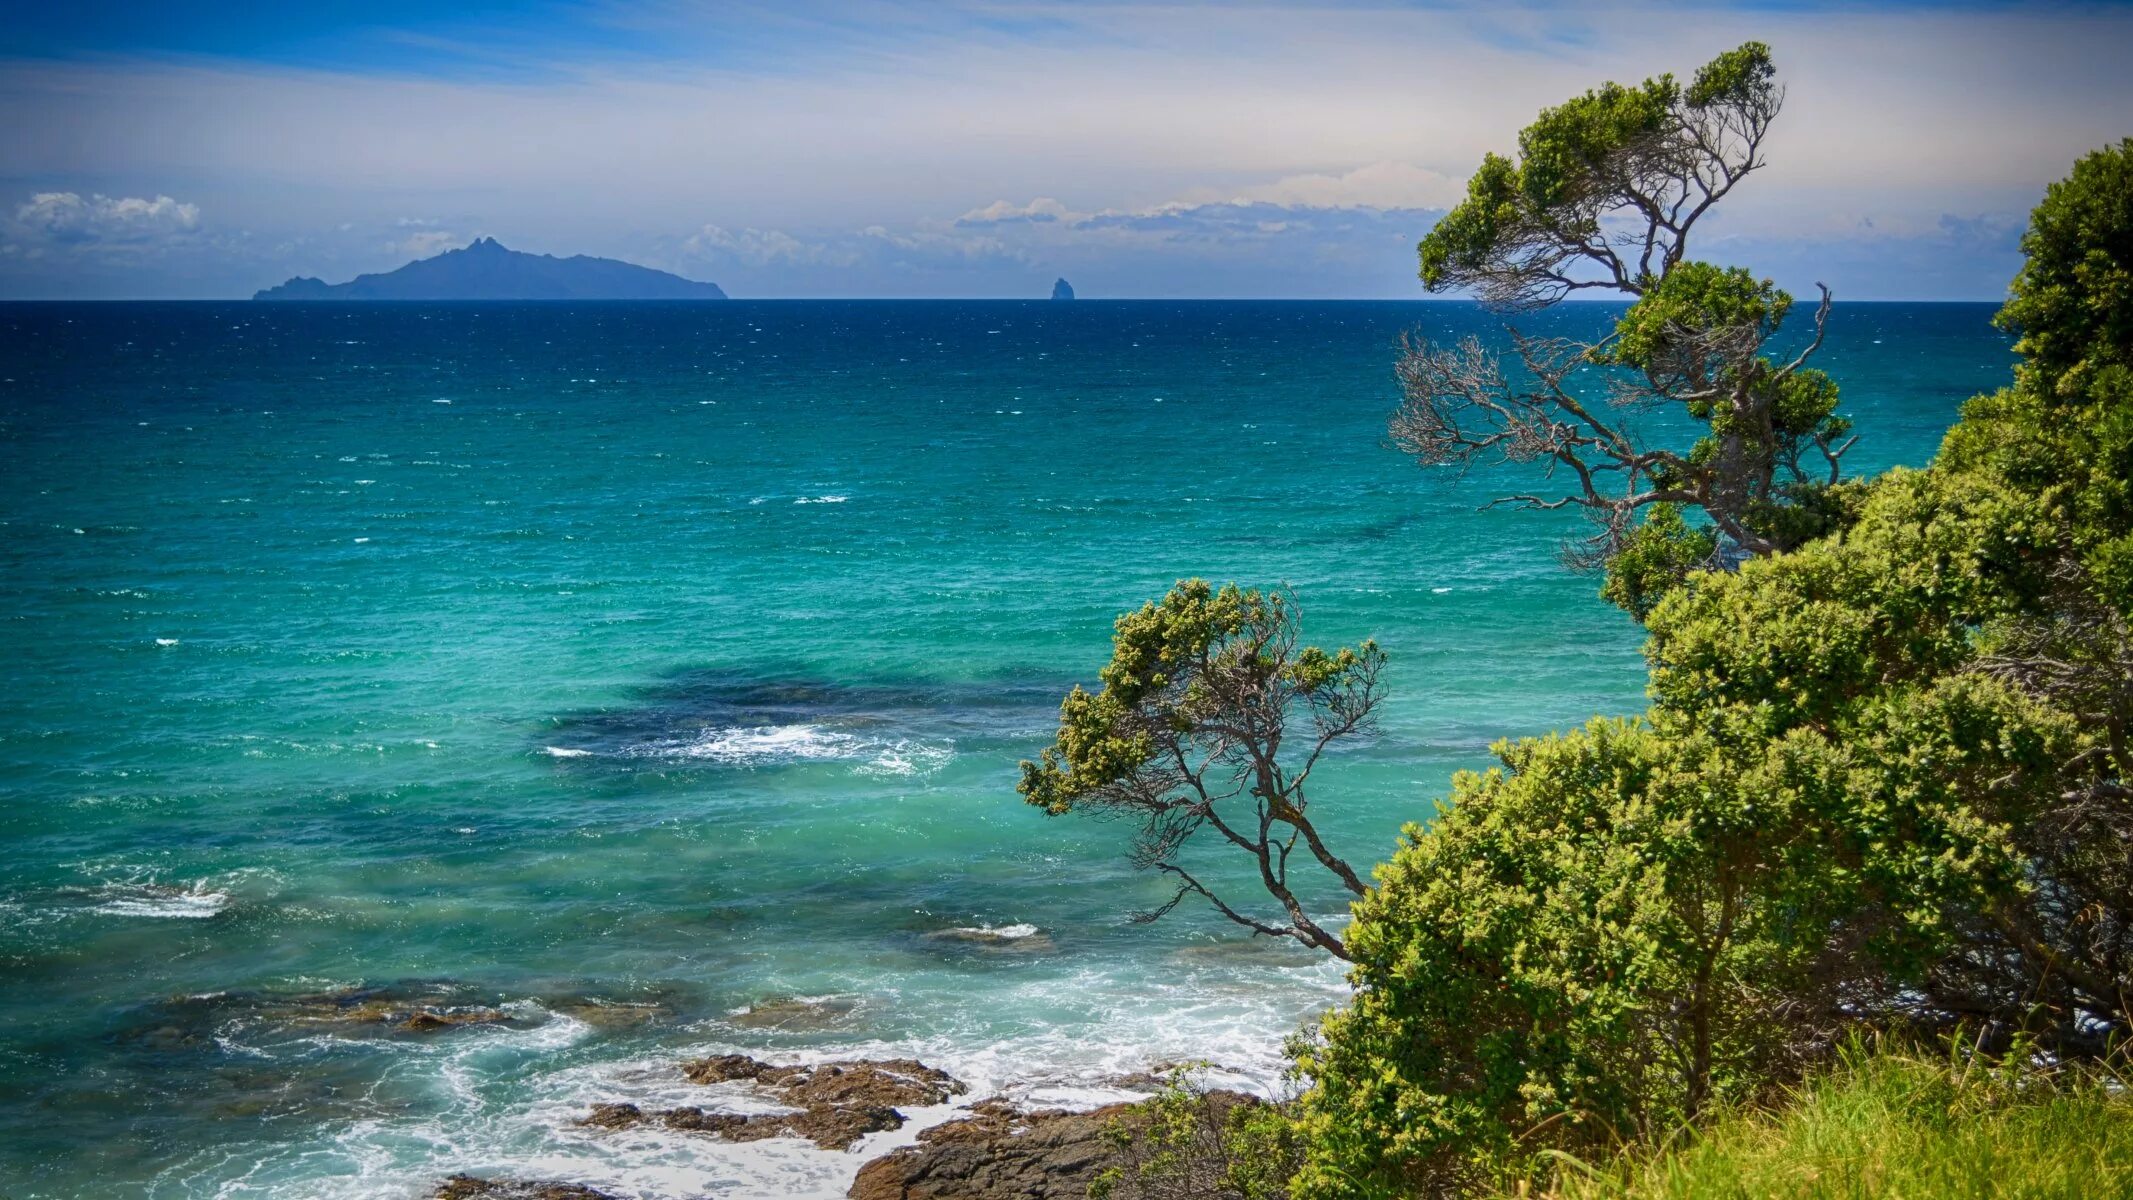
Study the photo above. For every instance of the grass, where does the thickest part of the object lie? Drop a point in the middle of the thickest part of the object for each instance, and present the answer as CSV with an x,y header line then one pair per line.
x,y
1896,1126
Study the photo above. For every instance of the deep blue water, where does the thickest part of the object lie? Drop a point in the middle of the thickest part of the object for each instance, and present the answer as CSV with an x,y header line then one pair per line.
x,y
578,657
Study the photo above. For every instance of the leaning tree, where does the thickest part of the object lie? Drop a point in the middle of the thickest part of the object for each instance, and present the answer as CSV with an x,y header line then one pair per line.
x,y
1603,197
1203,693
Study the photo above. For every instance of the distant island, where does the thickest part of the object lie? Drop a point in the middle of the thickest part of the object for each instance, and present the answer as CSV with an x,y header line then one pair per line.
x,y
1062,290
485,270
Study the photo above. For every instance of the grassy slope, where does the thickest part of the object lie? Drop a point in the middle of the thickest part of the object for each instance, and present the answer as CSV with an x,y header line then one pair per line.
x,y
1898,1127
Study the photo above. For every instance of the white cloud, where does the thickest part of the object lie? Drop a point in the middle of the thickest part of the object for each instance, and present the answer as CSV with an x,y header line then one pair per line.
x,y
1375,185
425,243
761,247
71,219
1112,115
1040,210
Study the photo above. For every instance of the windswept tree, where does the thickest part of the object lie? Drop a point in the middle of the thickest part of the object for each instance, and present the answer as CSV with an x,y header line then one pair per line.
x,y
1205,693
1604,195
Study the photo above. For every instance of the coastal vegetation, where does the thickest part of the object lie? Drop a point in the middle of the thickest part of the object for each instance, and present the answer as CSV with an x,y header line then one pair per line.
x,y
1884,788
1604,195
1201,692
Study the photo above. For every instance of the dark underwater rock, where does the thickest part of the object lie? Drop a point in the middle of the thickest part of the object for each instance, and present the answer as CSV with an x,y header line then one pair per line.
x,y
795,1013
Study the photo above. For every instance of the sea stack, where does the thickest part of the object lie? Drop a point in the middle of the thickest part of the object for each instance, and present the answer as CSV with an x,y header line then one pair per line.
x,y
1062,290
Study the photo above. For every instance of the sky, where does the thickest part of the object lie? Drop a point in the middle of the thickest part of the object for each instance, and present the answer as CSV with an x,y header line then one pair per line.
x,y
884,148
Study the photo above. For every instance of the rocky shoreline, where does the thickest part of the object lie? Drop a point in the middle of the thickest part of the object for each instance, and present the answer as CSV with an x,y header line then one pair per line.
x,y
992,1150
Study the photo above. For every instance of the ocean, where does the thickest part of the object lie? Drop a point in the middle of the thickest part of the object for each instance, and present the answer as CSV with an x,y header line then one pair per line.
x,y
656,674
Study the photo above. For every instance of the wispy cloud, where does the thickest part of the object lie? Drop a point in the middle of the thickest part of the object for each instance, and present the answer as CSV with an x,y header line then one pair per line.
x,y
774,135
73,220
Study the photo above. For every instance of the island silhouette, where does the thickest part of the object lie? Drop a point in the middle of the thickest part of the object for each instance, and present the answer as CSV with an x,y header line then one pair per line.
x,y
486,270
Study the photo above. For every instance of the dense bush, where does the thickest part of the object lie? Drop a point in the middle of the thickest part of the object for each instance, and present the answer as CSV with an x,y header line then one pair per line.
x,y
1885,780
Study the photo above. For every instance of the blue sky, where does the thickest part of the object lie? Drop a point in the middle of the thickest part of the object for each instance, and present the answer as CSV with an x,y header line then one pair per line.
x,y
956,148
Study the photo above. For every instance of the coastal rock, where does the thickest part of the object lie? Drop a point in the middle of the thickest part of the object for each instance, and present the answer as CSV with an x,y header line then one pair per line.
x,y
888,1082
1061,290
795,1013
469,1187
838,1103
1002,1153
415,1007
429,1020
613,1116
610,1014
997,1154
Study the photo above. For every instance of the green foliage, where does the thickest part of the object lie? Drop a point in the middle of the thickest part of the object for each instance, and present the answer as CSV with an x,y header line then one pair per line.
x,y
1565,151
1742,75
1187,1144
1202,691
1883,779
1604,193
1697,299
1656,559
2073,302
1465,236
1162,675
1597,153
1619,926
1894,1124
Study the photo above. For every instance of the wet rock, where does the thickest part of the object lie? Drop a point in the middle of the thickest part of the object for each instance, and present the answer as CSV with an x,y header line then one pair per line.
x,y
831,1128
406,1007
997,1154
611,1014
468,1187
795,1013
891,1082
1006,939
884,1082
838,1103
1002,1153
722,1068
696,1120
430,1020
614,1116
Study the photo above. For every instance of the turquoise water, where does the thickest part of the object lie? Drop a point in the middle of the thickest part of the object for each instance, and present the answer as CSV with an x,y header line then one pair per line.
x,y
673,661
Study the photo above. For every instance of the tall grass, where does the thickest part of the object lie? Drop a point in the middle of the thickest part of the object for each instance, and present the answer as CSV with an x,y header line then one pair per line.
x,y
1887,1125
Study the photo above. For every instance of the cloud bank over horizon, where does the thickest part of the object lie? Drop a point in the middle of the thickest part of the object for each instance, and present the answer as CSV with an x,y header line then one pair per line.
x,y
879,148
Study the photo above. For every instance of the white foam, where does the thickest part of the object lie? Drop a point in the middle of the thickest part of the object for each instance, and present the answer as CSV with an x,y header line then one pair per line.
x,y
761,743
565,752
156,900
166,641
907,759
831,499
992,933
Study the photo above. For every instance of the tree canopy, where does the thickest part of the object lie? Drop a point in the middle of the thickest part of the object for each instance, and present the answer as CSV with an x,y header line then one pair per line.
x,y
1604,195
1203,690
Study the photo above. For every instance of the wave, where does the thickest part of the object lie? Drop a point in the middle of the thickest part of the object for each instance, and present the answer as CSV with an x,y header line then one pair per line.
x,y
990,933
510,1099
773,745
157,900
757,744
907,759
832,499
